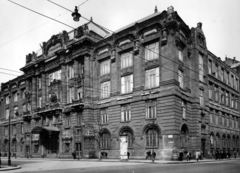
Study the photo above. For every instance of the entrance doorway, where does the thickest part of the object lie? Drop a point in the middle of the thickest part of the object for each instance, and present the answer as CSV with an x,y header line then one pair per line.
x,y
79,149
50,144
203,145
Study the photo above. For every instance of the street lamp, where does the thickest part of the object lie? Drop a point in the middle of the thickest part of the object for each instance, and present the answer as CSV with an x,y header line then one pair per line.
x,y
9,139
76,15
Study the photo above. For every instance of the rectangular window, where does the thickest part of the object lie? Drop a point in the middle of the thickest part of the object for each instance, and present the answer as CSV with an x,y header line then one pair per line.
x,y
71,94
70,71
104,116
201,97
24,108
126,60
39,102
236,102
7,113
210,116
21,128
105,89
15,97
23,93
236,84
216,118
227,77
14,131
180,55
80,93
210,92
209,67
126,84
152,51
227,98
67,121
54,76
7,99
126,112
216,92
232,101
152,78
201,71
216,71
221,74
232,81
39,83
184,108
15,111
180,78
105,67
5,130
151,109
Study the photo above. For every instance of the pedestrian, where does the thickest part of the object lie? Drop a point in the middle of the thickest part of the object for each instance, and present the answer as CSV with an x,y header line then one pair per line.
x,y
187,156
128,155
74,155
154,155
190,156
235,154
181,155
197,155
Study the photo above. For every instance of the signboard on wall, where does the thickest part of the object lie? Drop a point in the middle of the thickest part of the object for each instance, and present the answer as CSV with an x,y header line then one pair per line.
x,y
123,147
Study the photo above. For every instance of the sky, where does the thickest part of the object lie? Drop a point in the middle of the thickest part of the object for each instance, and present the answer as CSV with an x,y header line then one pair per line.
x,y
22,31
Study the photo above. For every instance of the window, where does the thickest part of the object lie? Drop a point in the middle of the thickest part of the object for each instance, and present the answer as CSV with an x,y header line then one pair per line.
x,y
24,108
216,71
180,55
15,111
105,67
15,97
216,92
14,131
232,81
222,98
180,78
236,84
70,69
70,94
201,68
210,92
39,83
227,77
104,116
184,108
221,74
7,99
201,97
216,118
105,89
39,102
151,109
54,76
80,93
126,84
236,102
210,116
152,78
21,128
5,130
129,137
227,98
29,106
105,141
36,147
209,67
126,112
7,113
151,138
67,121
151,51
126,60
23,93
232,101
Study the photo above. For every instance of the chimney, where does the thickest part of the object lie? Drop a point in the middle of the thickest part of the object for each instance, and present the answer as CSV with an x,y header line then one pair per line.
x,y
155,10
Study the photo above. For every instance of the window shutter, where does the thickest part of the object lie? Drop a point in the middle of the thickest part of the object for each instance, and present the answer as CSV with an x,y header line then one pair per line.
x,y
123,85
157,76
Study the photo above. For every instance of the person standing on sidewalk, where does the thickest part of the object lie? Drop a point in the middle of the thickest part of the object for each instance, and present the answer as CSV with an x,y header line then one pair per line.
x,y
187,156
197,155
235,154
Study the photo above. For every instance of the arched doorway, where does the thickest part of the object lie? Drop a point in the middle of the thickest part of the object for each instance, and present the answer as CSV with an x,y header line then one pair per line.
x,y
105,142
212,143
14,145
184,137
127,133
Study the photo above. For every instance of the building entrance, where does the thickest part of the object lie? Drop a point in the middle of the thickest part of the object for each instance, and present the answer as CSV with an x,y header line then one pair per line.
x,y
203,143
79,149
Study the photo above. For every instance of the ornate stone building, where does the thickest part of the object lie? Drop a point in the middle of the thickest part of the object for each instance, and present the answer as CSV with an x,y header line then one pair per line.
x,y
149,87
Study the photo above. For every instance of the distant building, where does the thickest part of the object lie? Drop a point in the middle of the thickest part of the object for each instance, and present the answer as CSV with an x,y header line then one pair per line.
x,y
152,85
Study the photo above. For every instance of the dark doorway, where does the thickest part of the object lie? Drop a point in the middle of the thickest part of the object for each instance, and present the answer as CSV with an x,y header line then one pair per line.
x,y
203,144
79,149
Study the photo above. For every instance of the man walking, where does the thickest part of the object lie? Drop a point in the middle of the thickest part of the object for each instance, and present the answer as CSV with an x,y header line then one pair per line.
x,y
197,155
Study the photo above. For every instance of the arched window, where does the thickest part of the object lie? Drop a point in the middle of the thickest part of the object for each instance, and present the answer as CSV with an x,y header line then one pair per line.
x,y
105,140
217,140
129,135
224,141
151,138
14,145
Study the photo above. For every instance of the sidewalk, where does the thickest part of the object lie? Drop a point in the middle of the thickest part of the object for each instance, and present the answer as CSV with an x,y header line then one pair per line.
x,y
51,164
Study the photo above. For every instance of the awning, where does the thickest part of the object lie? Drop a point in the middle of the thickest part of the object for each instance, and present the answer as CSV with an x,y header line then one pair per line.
x,y
38,129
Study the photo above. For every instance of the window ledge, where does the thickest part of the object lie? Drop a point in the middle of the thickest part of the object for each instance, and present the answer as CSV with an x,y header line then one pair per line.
x,y
152,147
126,121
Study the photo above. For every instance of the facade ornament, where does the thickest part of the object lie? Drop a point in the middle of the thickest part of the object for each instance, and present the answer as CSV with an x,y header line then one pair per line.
x,y
113,55
136,46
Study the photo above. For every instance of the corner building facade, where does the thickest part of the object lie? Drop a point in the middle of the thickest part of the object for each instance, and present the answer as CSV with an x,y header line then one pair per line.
x,y
149,85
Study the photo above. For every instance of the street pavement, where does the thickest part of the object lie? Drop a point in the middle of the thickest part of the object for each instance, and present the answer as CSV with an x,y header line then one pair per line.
x,y
114,165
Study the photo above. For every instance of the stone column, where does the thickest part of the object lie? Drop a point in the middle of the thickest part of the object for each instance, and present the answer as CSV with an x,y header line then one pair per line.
x,y
64,84
34,93
44,88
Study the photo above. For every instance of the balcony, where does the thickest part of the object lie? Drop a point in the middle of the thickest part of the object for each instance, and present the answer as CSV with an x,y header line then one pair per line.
x,y
55,82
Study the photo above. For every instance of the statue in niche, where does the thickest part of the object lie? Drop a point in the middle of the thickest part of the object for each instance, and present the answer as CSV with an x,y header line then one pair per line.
x,y
64,38
28,58
86,29
27,95
53,98
79,32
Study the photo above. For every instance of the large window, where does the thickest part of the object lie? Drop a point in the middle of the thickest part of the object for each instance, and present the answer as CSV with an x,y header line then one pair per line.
x,y
216,93
127,84
210,92
180,55
222,74
152,51
15,111
7,113
201,99
201,68
184,108
7,99
151,109
180,78
104,116
151,138
54,76
70,70
126,60
39,102
105,141
15,97
39,83
126,112
105,89
209,67
14,131
152,78
70,94
105,67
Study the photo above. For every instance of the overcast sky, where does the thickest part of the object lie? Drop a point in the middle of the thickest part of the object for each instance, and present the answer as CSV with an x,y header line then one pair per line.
x,y
21,31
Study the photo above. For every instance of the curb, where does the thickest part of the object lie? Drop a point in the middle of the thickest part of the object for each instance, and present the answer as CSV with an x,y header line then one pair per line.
x,y
9,168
